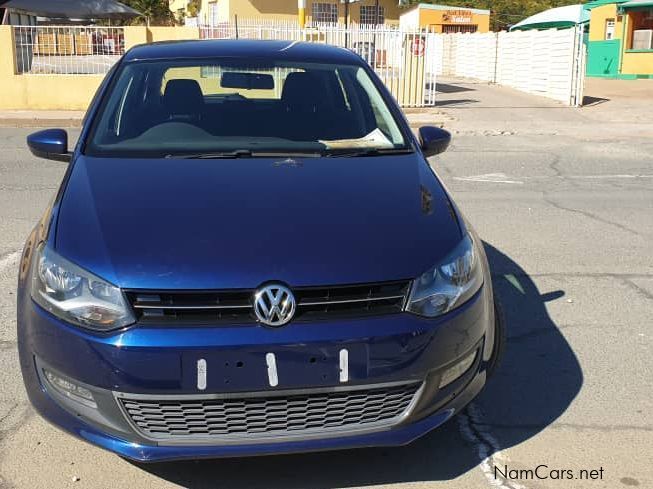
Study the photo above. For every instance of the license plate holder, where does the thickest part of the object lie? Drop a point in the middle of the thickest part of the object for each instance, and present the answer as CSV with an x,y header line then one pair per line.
x,y
296,367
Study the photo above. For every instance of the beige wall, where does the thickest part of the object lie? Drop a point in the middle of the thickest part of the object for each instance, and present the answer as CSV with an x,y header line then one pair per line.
x,y
286,10
223,10
390,7
172,33
64,92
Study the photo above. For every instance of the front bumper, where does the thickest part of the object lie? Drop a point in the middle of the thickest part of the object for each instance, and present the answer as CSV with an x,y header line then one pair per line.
x,y
160,361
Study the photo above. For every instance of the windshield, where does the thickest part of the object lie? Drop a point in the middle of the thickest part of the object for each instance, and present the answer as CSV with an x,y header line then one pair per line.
x,y
223,107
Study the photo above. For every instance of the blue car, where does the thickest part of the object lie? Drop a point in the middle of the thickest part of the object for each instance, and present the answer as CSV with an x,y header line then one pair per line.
x,y
249,254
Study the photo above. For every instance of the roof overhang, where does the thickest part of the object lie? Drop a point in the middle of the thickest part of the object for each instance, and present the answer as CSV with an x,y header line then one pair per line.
x,y
69,9
636,5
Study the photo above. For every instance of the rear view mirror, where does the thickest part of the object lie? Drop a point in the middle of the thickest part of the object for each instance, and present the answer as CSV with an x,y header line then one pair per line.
x,y
51,144
433,140
247,81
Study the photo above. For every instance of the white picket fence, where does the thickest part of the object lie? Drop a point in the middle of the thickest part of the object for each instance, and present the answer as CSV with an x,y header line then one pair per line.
x,y
550,63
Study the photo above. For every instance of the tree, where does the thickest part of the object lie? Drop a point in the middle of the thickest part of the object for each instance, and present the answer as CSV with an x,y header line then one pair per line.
x,y
154,11
194,8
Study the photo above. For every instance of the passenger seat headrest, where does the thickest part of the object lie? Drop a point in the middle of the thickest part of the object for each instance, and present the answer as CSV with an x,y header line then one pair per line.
x,y
301,91
183,97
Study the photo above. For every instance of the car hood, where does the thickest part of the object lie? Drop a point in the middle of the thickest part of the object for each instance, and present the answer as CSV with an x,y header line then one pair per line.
x,y
237,223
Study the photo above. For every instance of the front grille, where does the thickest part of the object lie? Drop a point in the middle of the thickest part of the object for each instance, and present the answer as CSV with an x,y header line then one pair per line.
x,y
235,306
255,417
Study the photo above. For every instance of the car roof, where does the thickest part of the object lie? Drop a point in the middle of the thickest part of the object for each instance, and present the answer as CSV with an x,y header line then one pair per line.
x,y
243,48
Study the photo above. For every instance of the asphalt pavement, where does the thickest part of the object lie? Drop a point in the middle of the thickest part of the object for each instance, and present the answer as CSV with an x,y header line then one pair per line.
x,y
563,199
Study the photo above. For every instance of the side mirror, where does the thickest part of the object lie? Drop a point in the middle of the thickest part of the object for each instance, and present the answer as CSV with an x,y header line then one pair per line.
x,y
51,144
433,140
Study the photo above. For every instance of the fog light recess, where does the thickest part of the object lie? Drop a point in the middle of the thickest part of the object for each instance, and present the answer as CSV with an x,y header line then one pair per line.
x,y
457,370
69,389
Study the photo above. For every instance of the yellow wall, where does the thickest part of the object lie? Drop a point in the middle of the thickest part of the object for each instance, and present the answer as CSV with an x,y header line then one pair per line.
x,y
35,92
136,35
391,10
274,9
64,92
637,64
286,10
598,16
223,9
172,33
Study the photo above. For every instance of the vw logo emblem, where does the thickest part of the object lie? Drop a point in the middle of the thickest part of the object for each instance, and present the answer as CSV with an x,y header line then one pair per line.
x,y
274,305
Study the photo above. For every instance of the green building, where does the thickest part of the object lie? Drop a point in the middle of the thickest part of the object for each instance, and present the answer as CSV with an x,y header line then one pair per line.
x,y
620,41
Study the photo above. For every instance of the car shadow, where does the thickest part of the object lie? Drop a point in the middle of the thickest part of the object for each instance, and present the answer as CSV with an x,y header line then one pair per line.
x,y
537,381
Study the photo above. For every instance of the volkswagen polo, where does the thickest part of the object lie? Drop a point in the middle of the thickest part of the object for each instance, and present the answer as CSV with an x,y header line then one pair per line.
x,y
250,254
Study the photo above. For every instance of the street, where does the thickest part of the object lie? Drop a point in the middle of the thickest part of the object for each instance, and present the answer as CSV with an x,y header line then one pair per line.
x,y
563,199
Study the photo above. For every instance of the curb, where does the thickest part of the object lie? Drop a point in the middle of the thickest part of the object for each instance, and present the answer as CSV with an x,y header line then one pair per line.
x,y
26,122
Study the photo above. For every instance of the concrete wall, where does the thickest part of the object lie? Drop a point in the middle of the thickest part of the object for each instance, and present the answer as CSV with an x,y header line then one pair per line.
x,y
65,92
539,62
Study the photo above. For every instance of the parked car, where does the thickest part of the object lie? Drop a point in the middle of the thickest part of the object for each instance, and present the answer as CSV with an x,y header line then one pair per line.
x,y
250,254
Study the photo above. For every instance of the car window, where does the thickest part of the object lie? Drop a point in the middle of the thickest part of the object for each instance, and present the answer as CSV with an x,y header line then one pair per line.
x,y
176,108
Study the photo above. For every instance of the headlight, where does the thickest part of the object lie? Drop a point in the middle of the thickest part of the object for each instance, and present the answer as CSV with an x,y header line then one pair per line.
x,y
77,296
449,284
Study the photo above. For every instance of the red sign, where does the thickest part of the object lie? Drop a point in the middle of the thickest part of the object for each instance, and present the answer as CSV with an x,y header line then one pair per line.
x,y
418,46
457,17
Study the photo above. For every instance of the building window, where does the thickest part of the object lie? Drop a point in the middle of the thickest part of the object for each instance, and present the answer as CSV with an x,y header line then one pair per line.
x,y
213,14
370,15
641,36
453,29
325,13
609,29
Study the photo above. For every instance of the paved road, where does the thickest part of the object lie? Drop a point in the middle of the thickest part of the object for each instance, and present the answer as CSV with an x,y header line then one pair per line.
x,y
564,200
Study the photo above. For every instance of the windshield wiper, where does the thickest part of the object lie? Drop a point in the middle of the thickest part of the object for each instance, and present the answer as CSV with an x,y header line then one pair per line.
x,y
245,153
239,153
366,152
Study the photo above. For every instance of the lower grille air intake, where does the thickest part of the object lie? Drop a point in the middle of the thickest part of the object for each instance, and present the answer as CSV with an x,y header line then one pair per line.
x,y
251,418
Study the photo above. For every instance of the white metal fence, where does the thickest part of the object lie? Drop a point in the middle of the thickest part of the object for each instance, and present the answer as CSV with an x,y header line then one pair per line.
x,y
550,63
67,49
406,61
